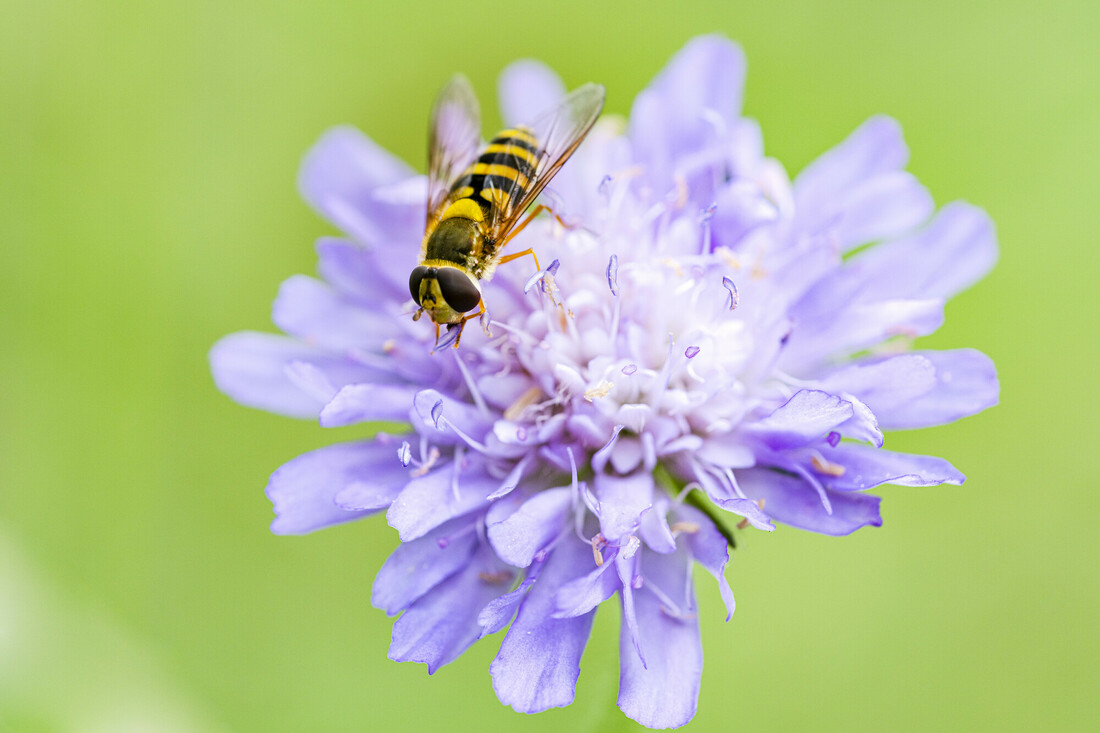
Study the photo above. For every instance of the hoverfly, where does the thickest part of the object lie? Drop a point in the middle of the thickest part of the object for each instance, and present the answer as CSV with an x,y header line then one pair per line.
x,y
475,200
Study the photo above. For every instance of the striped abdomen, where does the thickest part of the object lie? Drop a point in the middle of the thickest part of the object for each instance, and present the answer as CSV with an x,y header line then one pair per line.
x,y
480,200
500,175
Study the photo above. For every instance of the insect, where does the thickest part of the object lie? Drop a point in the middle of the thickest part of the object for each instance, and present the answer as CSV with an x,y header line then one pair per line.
x,y
476,194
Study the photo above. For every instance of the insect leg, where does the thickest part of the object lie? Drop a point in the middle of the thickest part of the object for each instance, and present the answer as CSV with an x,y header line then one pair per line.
x,y
517,255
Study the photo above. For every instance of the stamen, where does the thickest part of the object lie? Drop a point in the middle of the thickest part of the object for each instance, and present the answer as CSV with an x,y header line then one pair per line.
x,y
827,467
475,444
733,482
630,369
704,221
663,377
679,528
525,400
471,385
600,457
824,497
454,472
404,454
500,577
734,298
437,413
600,390
613,274
598,543
691,352
833,439
426,465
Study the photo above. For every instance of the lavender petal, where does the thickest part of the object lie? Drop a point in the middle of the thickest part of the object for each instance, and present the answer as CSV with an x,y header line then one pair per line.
x,y
417,566
303,490
966,384
664,692
251,368
532,527
539,660
789,499
442,624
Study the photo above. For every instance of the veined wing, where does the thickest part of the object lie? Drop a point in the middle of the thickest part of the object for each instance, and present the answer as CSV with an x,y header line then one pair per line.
x,y
535,152
453,142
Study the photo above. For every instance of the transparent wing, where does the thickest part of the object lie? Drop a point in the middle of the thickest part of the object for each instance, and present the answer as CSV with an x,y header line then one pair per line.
x,y
557,133
453,142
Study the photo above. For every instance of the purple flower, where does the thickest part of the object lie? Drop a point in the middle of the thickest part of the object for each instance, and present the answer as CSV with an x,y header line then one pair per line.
x,y
704,351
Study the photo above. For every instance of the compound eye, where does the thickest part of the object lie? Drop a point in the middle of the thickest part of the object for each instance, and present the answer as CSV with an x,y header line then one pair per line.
x,y
415,279
457,289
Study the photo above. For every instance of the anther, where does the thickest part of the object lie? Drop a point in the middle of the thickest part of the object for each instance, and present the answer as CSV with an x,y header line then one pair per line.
x,y
598,543
827,467
734,297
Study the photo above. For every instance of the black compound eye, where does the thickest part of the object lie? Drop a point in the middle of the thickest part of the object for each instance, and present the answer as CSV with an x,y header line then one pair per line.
x,y
457,289
415,278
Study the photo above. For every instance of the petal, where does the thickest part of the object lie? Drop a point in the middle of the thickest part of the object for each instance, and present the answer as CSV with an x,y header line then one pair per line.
x,y
361,496
539,659
527,88
627,570
807,416
710,549
579,596
356,403
251,368
884,384
369,276
876,147
665,692
789,499
866,467
341,177
303,490
314,312
708,74
878,208
442,624
428,501
654,529
499,611
532,527
857,326
953,252
862,425
692,106
416,567
622,499
966,384
747,509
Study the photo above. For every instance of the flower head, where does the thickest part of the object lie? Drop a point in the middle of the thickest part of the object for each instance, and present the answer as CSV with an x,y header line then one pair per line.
x,y
706,348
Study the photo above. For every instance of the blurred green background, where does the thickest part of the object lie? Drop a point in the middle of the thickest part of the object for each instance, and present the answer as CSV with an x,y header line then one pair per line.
x,y
148,153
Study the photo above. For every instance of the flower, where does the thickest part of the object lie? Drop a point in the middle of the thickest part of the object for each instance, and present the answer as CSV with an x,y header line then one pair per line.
x,y
709,341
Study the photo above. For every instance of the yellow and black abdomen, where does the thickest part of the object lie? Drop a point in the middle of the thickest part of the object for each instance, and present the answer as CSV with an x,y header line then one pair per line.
x,y
479,198
503,171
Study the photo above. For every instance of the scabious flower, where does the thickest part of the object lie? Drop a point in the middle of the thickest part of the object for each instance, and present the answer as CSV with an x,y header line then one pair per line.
x,y
709,347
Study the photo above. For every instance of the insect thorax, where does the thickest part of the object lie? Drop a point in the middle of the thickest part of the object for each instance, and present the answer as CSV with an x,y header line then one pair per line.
x,y
458,240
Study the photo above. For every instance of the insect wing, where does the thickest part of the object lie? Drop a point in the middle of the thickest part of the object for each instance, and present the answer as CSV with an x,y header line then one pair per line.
x,y
557,133
453,143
